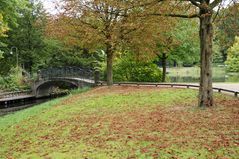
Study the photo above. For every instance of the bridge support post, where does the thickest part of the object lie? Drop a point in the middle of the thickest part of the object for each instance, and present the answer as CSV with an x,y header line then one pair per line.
x,y
33,88
236,94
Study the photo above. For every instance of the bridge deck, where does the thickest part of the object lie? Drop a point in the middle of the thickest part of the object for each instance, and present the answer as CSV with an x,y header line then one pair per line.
x,y
85,80
74,78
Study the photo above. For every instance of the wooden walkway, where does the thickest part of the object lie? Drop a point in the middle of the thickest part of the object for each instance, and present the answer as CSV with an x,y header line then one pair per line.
x,y
17,98
12,101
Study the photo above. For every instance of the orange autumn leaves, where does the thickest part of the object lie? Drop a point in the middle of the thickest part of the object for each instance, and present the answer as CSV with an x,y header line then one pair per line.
x,y
124,26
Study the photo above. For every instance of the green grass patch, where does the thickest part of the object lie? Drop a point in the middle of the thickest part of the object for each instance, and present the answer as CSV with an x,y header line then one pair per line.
x,y
15,118
123,122
79,90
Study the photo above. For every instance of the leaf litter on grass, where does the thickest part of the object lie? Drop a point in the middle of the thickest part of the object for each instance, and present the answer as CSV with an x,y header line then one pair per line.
x,y
128,122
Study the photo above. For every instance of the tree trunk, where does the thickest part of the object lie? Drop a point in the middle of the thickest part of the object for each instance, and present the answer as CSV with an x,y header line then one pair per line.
x,y
206,35
164,58
174,63
109,71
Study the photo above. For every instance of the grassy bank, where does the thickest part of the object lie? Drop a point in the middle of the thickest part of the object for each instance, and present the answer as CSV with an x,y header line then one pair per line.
x,y
123,122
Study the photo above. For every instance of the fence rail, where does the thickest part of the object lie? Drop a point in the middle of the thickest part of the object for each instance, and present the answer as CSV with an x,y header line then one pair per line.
x,y
27,92
236,93
15,94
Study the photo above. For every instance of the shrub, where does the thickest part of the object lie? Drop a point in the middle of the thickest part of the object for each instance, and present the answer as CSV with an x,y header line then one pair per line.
x,y
233,57
129,70
14,81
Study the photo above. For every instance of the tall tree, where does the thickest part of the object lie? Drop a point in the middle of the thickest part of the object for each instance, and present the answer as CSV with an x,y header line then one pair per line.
x,y
164,48
9,13
28,36
109,25
8,17
204,10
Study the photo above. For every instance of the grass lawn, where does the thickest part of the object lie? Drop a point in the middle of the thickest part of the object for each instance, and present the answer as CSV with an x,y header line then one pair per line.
x,y
124,123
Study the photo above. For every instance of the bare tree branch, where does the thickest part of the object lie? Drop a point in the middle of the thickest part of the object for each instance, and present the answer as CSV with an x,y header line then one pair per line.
x,y
176,15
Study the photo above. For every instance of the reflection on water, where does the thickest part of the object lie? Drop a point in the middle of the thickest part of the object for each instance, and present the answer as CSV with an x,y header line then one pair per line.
x,y
191,74
19,106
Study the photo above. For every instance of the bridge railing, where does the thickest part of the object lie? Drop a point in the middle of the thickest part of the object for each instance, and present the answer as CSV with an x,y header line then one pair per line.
x,y
77,72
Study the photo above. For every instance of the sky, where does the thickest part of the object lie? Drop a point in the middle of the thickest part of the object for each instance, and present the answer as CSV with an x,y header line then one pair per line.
x,y
49,5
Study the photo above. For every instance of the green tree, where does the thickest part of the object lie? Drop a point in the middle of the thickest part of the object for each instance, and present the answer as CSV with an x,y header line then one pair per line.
x,y
217,54
9,10
187,50
204,11
3,30
111,26
28,36
164,49
3,27
233,57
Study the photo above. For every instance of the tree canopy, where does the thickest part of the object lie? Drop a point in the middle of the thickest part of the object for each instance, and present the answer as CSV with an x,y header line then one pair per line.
x,y
111,26
227,27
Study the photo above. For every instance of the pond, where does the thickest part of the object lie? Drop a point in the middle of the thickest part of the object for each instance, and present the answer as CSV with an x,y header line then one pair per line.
x,y
192,74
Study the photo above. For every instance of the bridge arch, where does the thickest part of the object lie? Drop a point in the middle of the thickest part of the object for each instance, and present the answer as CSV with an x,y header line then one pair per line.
x,y
45,88
64,78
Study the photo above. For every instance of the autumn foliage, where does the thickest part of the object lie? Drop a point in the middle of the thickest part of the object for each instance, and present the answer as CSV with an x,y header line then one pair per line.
x,y
139,26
